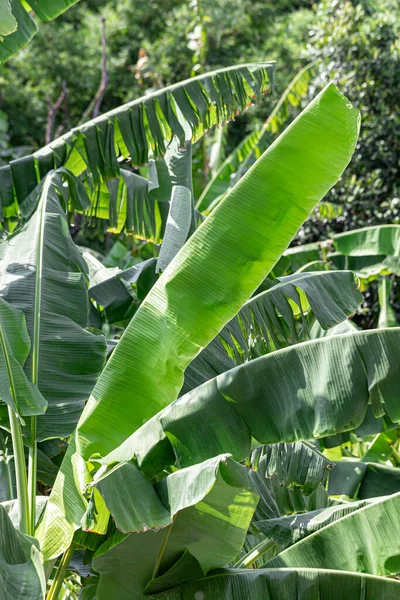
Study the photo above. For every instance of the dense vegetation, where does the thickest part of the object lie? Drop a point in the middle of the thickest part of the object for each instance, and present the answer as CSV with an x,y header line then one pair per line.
x,y
199,390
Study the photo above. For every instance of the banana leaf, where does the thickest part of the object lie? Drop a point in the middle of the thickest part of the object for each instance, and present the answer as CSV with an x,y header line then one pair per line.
x,y
22,28
44,276
288,530
47,10
286,584
22,35
8,22
288,478
198,515
21,571
303,392
366,541
376,240
216,265
177,227
271,318
363,480
140,130
300,466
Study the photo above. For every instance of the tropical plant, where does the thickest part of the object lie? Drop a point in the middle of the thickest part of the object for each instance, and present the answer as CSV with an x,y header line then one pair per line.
x,y
18,26
150,497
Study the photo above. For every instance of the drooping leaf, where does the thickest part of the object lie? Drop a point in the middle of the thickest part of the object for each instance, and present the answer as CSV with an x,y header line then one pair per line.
x,y
177,227
15,389
141,128
303,392
21,570
44,276
270,317
286,584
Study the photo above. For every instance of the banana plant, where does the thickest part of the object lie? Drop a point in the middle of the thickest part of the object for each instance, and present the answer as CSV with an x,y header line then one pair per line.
x,y
55,531
151,488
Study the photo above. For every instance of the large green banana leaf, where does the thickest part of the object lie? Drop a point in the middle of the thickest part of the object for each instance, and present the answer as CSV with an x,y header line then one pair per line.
x,y
285,584
217,270
203,512
365,541
46,10
15,389
303,392
271,318
21,571
44,276
214,270
139,130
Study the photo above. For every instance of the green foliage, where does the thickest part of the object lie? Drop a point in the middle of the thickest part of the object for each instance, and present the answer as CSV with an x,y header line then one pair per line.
x,y
145,501
18,25
161,28
359,45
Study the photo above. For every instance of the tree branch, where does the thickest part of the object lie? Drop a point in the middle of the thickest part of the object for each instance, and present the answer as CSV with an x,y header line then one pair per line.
x,y
53,109
94,107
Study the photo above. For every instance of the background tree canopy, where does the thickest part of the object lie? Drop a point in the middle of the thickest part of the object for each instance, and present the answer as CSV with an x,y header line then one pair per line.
x,y
155,43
